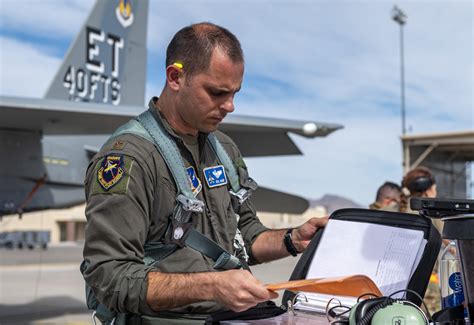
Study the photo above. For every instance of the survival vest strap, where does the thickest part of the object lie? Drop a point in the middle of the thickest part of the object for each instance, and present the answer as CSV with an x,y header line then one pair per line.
x,y
183,234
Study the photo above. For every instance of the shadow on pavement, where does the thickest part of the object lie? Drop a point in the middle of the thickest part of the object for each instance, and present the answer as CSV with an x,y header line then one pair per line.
x,y
40,309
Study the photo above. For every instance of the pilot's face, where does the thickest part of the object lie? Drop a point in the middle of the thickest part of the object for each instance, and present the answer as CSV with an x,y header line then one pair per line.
x,y
207,97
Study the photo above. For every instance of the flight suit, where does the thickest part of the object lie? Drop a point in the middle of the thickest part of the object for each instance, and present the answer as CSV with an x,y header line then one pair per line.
x,y
131,195
377,206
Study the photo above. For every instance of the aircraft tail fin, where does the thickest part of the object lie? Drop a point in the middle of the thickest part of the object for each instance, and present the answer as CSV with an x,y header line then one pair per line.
x,y
107,61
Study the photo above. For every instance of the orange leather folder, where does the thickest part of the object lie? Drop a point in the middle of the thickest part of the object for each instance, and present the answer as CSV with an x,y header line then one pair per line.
x,y
354,285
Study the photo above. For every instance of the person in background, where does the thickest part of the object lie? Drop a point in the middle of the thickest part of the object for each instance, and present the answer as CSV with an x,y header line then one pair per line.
x,y
388,197
420,182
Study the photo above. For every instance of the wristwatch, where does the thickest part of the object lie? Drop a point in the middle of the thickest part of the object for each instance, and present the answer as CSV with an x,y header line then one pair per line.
x,y
290,247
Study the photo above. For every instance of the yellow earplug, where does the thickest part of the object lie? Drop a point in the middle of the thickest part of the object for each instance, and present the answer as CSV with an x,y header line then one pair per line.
x,y
178,65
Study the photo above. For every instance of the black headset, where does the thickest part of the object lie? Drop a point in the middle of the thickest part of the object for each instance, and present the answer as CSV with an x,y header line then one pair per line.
x,y
421,184
366,309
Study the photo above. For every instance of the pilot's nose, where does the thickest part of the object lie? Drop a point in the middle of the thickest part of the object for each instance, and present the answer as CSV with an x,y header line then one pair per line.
x,y
228,105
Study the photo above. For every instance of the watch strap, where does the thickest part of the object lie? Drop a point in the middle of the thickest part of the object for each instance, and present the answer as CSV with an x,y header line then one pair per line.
x,y
288,241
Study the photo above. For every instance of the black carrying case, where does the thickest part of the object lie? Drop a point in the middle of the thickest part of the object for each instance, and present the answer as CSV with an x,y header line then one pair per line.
x,y
420,279
418,282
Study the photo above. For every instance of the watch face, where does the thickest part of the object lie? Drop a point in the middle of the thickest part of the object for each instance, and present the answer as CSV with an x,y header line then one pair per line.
x,y
290,247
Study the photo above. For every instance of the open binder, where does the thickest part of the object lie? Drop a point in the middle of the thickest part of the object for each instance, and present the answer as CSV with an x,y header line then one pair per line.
x,y
371,241
395,250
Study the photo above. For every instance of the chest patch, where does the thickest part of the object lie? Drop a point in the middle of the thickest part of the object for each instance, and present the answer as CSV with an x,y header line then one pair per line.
x,y
195,182
111,171
215,176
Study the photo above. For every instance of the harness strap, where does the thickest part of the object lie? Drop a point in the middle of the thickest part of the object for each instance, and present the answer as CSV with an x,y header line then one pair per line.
x,y
133,127
170,152
157,251
186,203
223,260
149,128
238,193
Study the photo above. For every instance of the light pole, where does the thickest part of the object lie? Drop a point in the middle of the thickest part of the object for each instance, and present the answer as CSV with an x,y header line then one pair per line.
x,y
400,18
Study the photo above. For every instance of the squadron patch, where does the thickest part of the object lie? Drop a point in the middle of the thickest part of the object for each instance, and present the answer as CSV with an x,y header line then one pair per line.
x,y
113,173
195,182
215,176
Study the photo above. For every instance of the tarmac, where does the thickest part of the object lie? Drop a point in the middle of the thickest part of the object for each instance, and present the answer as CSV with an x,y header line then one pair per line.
x,y
45,286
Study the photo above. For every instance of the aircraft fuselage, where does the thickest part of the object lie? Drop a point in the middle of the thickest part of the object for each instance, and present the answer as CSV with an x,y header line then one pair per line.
x,y
40,173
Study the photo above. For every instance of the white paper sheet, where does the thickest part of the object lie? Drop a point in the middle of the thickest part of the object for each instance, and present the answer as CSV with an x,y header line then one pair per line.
x,y
419,256
388,255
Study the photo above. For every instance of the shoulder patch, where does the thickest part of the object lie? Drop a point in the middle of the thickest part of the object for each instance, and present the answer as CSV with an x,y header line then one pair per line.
x,y
112,174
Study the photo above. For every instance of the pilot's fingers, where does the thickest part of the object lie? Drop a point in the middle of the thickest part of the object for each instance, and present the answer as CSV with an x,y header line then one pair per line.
x,y
273,294
250,287
260,292
248,299
318,222
307,230
239,290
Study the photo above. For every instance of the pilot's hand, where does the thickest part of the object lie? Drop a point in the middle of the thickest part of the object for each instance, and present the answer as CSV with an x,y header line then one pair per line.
x,y
302,235
239,290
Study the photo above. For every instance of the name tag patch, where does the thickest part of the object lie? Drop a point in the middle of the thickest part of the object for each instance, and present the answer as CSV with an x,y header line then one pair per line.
x,y
195,182
215,176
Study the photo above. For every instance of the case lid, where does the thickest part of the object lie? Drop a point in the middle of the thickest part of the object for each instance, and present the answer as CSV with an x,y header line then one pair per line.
x,y
421,275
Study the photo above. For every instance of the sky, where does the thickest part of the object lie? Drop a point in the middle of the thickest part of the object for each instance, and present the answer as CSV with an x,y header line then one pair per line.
x,y
325,61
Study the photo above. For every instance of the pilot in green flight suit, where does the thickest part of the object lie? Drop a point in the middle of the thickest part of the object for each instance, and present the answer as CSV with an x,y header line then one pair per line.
x,y
131,195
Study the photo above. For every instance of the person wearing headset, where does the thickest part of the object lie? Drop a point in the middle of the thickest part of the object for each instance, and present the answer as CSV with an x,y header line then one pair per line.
x,y
420,182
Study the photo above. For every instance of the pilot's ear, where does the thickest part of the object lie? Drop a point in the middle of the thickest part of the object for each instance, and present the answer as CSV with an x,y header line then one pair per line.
x,y
174,77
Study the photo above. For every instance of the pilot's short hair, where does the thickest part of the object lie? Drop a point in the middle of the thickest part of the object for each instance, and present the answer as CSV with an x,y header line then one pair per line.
x,y
192,46
387,191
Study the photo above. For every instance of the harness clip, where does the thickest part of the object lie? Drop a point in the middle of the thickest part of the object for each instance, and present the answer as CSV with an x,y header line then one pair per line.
x,y
188,204
245,191
242,195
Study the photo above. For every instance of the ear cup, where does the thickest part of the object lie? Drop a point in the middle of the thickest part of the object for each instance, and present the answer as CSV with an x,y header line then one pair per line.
x,y
365,310
359,309
421,184
365,306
